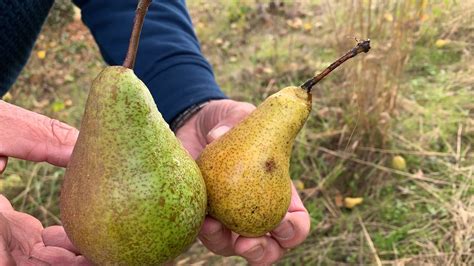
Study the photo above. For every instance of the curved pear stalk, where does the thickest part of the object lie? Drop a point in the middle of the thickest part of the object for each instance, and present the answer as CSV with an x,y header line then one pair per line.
x,y
132,195
247,170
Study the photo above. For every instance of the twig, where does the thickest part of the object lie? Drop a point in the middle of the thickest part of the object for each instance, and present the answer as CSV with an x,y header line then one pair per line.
x,y
369,241
385,169
458,146
44,210
419,153
363,46
140,13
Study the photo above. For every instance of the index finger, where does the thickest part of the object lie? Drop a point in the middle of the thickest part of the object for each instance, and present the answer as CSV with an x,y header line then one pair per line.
x,y
30,136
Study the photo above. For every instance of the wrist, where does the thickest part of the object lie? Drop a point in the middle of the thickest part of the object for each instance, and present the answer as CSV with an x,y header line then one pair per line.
x,y
182,118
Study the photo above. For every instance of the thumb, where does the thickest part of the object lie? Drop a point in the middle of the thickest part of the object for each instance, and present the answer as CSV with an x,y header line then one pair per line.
x,y
30,136
232,117
217,132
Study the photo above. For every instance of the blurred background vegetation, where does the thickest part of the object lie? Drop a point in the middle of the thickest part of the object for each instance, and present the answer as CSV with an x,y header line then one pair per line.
x,y
385,163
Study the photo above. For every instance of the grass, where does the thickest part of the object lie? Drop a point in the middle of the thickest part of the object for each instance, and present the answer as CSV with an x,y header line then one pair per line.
x,y
410,96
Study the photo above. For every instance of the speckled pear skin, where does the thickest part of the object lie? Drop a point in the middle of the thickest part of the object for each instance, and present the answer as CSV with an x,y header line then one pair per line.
x,y
132,195
247,170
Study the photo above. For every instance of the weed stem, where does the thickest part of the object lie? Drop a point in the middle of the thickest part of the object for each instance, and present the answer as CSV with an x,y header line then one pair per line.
x,y
363,46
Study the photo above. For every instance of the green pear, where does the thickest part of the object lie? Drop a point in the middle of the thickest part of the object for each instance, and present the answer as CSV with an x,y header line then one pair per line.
x,y
247,170
132,195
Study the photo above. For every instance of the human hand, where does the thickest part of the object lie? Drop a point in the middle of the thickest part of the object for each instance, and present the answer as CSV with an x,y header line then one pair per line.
x,y
30,136
208,124
24,241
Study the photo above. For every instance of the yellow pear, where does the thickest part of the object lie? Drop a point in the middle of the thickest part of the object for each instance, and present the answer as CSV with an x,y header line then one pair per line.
x,y
247,170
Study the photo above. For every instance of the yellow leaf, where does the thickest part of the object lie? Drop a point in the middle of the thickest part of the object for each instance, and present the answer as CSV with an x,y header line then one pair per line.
x,y
267,70
352,202
388,17
14,180
299,185
295,23
424,17
7,97
41,54
440,43
58,106
218,41
307,26
399,163
11,182
77,14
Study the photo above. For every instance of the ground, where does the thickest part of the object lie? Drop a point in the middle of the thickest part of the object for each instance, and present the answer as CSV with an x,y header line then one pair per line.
x,y
384,164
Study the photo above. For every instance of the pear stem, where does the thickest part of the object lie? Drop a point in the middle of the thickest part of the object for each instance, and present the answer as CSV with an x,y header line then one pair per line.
x,y
140,13
363,46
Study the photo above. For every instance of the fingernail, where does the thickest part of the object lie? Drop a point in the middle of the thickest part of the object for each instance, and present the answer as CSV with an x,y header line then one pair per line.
x,y
218,132
284,231
255,253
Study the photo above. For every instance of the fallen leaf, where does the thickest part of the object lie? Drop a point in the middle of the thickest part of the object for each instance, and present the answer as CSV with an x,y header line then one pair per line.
x,y
307,26
41,104
58,106
352,202
7,97
440,43
388,17
77,14
267,70
41,54
299,185
68,102
295,23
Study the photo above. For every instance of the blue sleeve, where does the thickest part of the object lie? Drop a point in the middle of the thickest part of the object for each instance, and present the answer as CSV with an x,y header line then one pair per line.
x,y
169,59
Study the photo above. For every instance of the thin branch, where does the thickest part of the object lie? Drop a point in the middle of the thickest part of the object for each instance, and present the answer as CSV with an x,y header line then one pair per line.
x,y
363,46
369,241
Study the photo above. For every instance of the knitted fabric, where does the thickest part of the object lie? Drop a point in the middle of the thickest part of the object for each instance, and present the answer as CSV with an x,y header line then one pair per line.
x,y
20,24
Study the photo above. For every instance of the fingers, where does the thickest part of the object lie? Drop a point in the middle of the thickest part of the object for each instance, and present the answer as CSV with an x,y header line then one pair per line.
x,y
217,238
293,230
295,226
57,256
3,163
5,204
217,132
56,236
60,141
30,136
260,250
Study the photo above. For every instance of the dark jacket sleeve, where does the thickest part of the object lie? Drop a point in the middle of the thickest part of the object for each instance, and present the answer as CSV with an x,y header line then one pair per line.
x,y
20,24
169,59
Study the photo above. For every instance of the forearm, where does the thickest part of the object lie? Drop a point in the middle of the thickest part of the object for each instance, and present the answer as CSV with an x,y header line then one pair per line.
x,y
169,59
